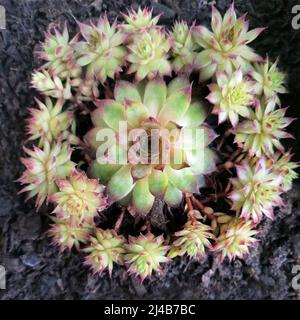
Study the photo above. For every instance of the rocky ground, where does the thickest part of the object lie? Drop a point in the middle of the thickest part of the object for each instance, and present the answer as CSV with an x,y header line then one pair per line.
x,y
35,269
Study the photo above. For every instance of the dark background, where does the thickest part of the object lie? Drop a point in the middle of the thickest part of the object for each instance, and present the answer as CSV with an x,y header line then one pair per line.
x,y
35,269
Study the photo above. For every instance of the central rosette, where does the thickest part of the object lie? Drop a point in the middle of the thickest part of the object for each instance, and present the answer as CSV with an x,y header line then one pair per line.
x,y
150,142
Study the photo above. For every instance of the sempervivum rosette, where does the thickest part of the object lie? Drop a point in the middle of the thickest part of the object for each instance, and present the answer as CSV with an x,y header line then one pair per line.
x,y
262,133
192,240
225,48
257,190
51,123
235,239
145,254
232,96
43,167
269,80
282,165
138,20
52,86
59,53
79,198
105,249
67,236
158,110
149,53
183,48
101,52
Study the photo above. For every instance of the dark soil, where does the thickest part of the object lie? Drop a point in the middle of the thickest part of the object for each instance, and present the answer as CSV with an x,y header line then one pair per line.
x,y
35,269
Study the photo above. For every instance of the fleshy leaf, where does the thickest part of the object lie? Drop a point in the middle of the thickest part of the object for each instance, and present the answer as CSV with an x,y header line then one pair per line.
x,y
120,184
158,182
176,105
173,196
155,96
113,112
194,116
142,198
140,171
183,179
177,84
136,113
126,90
103,172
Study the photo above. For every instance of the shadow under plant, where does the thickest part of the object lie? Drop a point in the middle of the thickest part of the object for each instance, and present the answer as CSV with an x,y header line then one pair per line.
x,y
34,268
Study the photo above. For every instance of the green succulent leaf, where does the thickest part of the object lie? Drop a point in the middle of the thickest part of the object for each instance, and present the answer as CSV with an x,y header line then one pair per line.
x,y
120,184
158,182
173,196
136,113
194,116
176,105
155,96
113,112
183,179
103,172
142,198
125,90
177,84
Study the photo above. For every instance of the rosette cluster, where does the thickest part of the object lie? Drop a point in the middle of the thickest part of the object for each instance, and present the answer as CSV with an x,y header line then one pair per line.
x,y
120,122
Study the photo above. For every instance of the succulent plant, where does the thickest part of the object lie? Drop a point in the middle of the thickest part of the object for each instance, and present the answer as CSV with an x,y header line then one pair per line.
x,y
105,249
191,240
67,236
87,89
51,86
183,48
139,20
149,53
144,254
264,129
50,123
256,190
148,147
58,51
235,239
270,81
282,166
78,199
163,108
225,48
231,96
43,167
102,52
